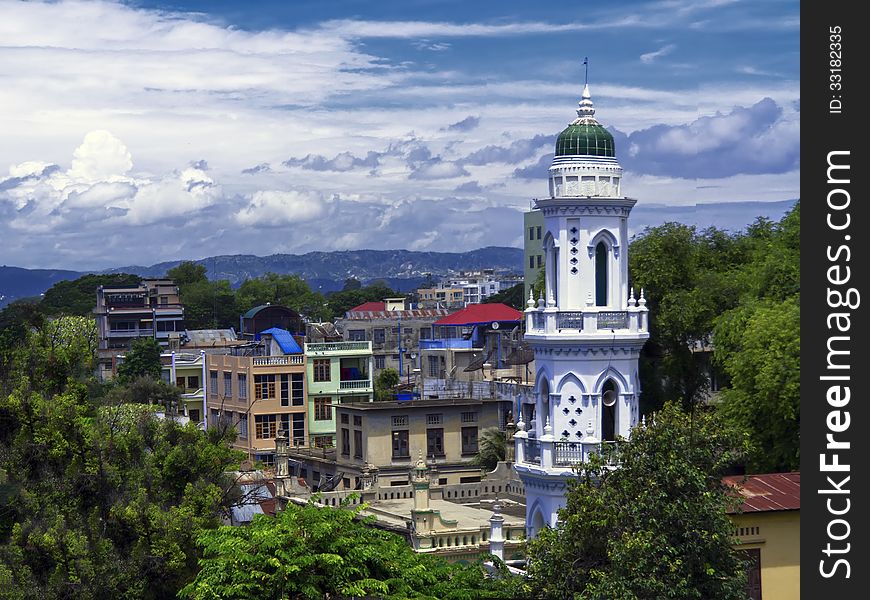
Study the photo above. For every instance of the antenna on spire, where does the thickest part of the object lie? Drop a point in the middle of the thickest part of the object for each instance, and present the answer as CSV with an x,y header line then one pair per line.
x,y
586,64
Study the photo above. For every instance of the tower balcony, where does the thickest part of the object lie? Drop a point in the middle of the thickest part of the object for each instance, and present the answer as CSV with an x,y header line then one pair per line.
x,y
555,457
552,323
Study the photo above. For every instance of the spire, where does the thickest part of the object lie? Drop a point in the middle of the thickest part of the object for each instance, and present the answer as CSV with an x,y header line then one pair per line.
x,y
585,108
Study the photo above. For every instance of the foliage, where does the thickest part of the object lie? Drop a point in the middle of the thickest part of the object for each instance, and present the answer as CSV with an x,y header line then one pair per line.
x,y
540,284
187,273
311,552
385,384
654,528
339,303
209,305
142,360
102,499
491,448
513,296
287,290
79,296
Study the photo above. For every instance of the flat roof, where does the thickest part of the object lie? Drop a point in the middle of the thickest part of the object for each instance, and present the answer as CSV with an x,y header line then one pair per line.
x,y
423,403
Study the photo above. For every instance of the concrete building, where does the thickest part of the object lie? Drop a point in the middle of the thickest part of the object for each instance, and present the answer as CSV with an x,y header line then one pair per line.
x,y
258,395
151,309
449,297
767,528
533,250
395,333
587,330
267,316
187,371
337,373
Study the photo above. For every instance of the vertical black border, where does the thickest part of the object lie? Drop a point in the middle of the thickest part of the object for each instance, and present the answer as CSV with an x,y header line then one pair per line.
x,y
822,131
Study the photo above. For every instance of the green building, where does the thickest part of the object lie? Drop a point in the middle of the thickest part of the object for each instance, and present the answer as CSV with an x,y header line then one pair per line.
x,y
533,251
337,373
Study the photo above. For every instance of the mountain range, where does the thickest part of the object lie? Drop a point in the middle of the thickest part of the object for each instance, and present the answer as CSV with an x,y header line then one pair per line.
x,y
402,270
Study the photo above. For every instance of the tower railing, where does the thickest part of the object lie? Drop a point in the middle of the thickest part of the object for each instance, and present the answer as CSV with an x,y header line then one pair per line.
x,y
552,321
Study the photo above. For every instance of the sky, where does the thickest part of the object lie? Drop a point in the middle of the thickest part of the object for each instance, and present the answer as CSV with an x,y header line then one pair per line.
x,y
139,132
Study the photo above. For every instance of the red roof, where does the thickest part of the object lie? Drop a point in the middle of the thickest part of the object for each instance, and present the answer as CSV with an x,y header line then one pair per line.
x,y
481,313
369,306
768,492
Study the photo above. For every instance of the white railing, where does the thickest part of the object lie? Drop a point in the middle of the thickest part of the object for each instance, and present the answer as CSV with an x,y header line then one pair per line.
x,y
355,385
338,347
561,454
274,361
551,321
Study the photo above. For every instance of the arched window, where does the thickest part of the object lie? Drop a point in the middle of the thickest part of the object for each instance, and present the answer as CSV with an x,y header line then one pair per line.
x,y
609,396
601,274
545,402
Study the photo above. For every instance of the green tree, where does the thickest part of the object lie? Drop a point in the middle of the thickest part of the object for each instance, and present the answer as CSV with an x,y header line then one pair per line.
x,y
656,527
513,296
311,552
209,305
385,384
142,360
79,296
188,273
287,290
339,303
491,448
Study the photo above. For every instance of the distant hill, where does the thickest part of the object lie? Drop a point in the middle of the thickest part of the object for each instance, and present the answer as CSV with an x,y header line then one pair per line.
x,y
17,283
403,270
320,268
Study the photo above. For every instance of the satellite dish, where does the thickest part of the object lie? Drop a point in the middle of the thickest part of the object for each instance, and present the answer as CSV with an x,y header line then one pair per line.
x,y
494,325
609,398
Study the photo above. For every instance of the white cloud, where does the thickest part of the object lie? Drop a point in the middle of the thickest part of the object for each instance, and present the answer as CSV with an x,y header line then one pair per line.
x,y
650,57
274,208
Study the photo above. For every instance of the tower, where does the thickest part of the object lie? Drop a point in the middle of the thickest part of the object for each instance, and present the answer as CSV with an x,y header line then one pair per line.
x,y
587,328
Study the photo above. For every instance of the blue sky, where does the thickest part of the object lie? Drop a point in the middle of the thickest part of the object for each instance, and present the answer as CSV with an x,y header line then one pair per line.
x,y
138,132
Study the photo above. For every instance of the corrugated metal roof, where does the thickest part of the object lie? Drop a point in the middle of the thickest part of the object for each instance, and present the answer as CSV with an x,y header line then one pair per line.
x,y
417,313
482,313
369,306
769,491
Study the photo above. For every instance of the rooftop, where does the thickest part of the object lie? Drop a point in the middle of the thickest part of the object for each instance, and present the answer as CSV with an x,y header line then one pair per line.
x,y
768,492
479,314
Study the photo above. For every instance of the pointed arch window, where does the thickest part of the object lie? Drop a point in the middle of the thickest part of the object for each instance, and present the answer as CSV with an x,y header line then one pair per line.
x,y
609,395
601,274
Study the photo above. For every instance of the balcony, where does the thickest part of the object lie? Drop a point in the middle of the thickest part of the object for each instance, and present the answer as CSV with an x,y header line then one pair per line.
x,y
552,322
277,361
337,347
561,455
445,343
130,333
359,384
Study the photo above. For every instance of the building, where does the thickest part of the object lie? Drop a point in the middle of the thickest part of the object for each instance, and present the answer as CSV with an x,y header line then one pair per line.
x,y
260,394
449,297
267,316
187,371
151,309
767,528
337,372
395,333
587,330
533,251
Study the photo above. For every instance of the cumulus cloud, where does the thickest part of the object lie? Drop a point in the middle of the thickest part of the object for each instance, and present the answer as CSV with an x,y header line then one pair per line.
x,y
469,187
278,208
345,161
436,168
260,168
516,152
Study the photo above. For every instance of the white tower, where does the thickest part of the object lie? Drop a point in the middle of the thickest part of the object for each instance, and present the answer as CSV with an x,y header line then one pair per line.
x,y
588,328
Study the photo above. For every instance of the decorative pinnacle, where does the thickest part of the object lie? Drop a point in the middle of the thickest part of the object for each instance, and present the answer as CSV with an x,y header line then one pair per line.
x,y
642,301
531,302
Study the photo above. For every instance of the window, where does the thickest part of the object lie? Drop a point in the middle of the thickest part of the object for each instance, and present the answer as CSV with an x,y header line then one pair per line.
x,y
243,386
469,440
435,442
212,382
400,421
323,409
601,274
297,389
379,336
264,387
285,389
434,366
400,444
357,420
243,426
540,260
531,233
344,419
214,416
192,382
345,442
469,417
531,262
228,384
321,369
323,441
433,419
357,444
356,335
425,333
193,414
538,232
265,426
299,428
380,361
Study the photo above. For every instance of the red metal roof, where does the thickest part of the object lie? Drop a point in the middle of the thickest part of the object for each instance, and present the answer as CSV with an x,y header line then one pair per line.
x,y
481,313
769,491
369,306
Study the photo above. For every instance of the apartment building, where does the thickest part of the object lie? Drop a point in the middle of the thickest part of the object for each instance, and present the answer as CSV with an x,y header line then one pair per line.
x,y
187,371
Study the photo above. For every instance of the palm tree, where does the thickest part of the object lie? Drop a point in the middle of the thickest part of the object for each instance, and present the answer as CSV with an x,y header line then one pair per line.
x,y
491,448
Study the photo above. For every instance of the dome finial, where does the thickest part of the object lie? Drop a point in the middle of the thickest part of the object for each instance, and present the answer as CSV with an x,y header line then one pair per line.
x,y
586,110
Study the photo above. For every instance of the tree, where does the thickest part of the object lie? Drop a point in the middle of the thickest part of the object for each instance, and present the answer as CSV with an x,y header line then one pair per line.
x,y
656,526
209,305
339,303
287,290
513,296
142,360
312,552
187,273
79,296
385,383
491,448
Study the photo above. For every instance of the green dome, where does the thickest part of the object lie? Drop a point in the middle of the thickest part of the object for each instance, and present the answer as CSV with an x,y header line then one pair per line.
x,y
585,138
